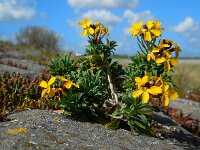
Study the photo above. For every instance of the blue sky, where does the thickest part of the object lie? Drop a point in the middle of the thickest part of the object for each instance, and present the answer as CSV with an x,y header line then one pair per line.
x,y
180,18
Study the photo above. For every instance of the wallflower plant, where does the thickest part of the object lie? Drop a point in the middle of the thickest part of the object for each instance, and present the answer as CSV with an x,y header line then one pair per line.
x,y
97,89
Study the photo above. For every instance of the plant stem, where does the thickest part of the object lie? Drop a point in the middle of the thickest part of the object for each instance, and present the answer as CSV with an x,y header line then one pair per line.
x,y
111,85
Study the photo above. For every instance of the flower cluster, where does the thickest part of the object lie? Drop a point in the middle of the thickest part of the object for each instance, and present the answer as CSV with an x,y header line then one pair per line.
x,y
59,87
148,31
160,58
94,29
162,53
153,86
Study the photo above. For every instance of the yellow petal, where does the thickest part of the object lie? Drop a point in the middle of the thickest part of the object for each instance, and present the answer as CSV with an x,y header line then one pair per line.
x,y
52,92
144,80
148,57
147,36
154,90
165,87
167,66
153,56
156,24
156,32
44,91
138,80
137,93
91,31
68,84
168,54
137,26
160,60
174,61
173,95
76,85
155,50
165,100
149,24
43,84
83,25
84,33
51,81
63,79
145,97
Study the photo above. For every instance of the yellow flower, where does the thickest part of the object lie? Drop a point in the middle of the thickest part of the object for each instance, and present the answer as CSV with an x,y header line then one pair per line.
x,y
167,60
47,87
168,93
86,25
145,88
68,83
154,90
141,81
176,46
152,29
100,29
136,29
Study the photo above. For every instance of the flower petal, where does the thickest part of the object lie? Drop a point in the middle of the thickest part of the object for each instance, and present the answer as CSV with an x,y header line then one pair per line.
x,y
91,31
148,57
44,91
84,33
63,79
144,80
52,92
51,81
174,62
68,84
165,100
137,93
156,24
149,24
154,90
145,97
147,36
43,84
167,66
165,87
160,60
156,32
173,95
75,85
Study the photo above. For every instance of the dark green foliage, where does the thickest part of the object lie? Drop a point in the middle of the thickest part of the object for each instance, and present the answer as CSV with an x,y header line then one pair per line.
x,y
135,114
62,66
88,97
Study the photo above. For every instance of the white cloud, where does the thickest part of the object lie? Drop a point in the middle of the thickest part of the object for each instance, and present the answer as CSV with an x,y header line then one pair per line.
x,y
104,16
188,28
125,4
13,10
136,17
185,25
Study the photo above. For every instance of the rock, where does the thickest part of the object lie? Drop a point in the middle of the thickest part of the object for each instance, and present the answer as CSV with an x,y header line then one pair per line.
x,y
48,130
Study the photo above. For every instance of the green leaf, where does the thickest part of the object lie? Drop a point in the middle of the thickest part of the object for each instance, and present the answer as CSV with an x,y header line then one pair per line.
x,y
113,125
143,118
139,124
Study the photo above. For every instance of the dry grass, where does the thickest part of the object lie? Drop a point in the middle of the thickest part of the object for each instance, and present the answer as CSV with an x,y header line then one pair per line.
x,y
187,78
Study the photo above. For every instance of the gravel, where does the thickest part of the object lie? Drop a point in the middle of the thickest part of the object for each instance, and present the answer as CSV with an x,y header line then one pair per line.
x,y
48,130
